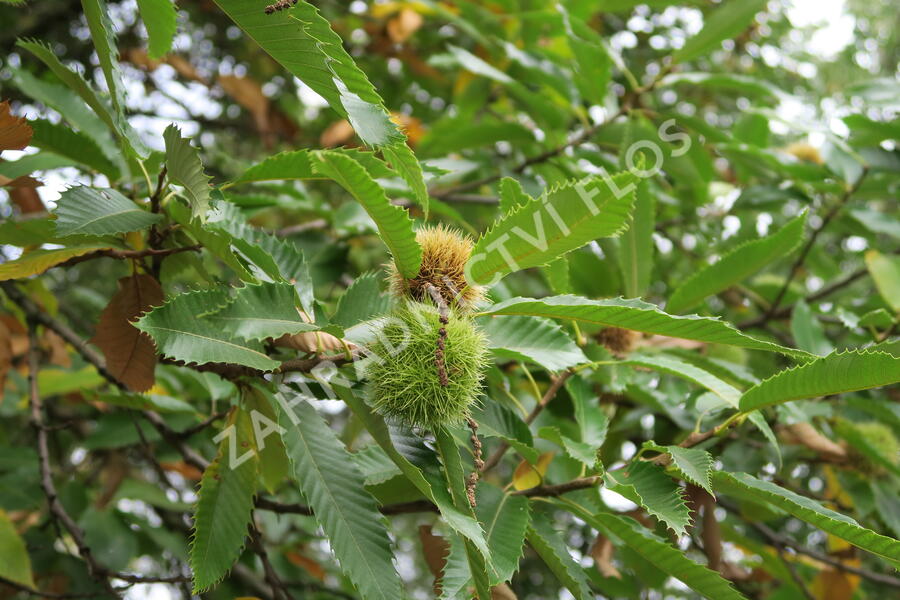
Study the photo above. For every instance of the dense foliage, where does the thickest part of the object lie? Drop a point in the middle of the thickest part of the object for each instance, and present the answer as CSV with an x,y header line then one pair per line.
x,y
511,299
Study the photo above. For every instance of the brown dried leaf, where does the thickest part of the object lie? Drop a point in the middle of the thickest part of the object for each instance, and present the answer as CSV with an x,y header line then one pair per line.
x,y
502,592
6,353
403,25
15,133
27,199
602,551
59,352
22,181
307,564
337,134
130,354
313,342
805,434
187,471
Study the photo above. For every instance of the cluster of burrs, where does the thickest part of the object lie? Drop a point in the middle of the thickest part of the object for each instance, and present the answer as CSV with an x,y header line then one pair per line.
x,y
280,5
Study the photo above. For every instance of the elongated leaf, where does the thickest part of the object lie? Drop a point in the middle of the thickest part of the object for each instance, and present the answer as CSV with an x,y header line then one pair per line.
x,y
184,168
257,312
375,465
81,148
84,210
181,334
224,504
532,339
725,22
666,558
298,165
638,316
885,272
593,423
737,265
550,546
394,224
456,481
430,487
130,140
15,564
346,511
580,451
404,162
694,463
362,301
161,21
836,373
636,244
564,218
38,261
745,485
104,37
655,491
302,41
679,368
505,520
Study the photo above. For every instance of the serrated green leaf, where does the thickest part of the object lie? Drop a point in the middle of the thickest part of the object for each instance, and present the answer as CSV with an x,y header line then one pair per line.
x,y
375,465
726,21
84,210
495,420
68,104
104,37
480,569
258,312
335,490
638,316
302,41
64,141
887,503
512,196
180,333
563,219
593,423
836,373
183,166
224,504
580,451
532,339
736,265
115,121
550,546
666,558
745,485
161,21
429,485
38,261
679,368
15,564
655,491
405,163
505,519
456,576
694,463
393,222
636,243
361,301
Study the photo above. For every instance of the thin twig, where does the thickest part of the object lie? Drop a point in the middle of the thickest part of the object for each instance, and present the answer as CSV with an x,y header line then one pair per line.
x,y
779,548
129,254
561,488
279,592
97,571
801,258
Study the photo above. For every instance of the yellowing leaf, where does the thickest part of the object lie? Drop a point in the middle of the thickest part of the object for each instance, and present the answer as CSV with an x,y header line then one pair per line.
x,y
528,476
38,261
15,563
